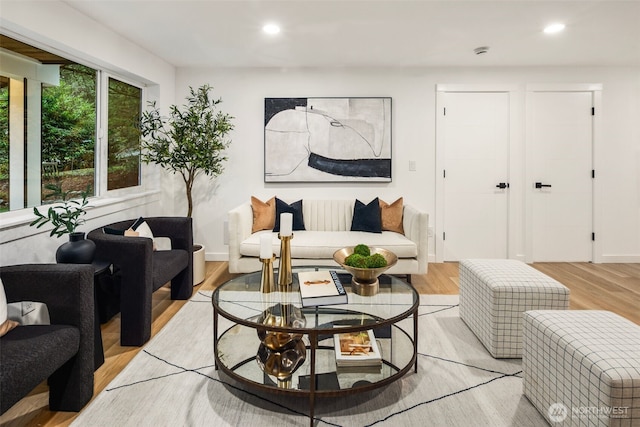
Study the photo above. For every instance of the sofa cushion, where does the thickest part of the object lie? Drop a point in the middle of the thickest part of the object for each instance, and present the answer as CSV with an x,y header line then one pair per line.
x,y
294,208
264,214
167,264
24,349
322,244
367,217
391,215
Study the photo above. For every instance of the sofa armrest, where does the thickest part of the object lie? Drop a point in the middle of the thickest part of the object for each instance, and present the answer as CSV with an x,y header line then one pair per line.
x,y
416,224
240,223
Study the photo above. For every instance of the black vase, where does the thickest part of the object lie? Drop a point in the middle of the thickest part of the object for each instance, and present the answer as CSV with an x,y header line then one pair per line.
x,y
77,250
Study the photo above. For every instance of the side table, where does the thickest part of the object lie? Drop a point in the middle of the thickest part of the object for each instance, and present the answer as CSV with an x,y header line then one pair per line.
x,y
100,269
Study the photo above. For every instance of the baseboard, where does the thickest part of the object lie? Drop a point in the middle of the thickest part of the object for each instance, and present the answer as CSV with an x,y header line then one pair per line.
x,y
625,259
216,256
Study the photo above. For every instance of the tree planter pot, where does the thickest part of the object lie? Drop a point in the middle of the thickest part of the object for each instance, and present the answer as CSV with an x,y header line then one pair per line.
x,y
77,250
198,264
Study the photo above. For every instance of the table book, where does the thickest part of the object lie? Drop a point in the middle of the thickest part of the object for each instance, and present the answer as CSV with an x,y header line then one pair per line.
x,y
321,288
357,349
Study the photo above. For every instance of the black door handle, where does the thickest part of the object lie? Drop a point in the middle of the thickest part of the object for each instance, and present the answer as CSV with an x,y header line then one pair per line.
x,y
503,185
540,185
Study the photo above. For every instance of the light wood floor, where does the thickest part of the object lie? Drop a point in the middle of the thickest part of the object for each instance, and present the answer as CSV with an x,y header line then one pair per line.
x,y
613,287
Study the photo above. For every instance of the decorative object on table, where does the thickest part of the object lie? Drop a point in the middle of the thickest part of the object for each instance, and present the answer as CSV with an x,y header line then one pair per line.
x,y
191,142
365,279
327,139
285,278
321,288
66,218
281,353
267,281
77,250
357,349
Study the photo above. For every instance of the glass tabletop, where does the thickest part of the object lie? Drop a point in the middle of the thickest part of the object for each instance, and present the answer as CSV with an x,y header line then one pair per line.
x,y
241,301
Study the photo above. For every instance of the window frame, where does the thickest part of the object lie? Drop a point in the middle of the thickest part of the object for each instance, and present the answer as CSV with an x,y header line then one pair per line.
x,y
102,196
102,137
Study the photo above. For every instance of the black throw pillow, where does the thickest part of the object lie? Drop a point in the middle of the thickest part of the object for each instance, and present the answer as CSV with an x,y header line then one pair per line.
x,y
115,231
295,208
367,217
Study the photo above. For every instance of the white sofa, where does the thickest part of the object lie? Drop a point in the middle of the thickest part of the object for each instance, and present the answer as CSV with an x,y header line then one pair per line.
x,y
327,229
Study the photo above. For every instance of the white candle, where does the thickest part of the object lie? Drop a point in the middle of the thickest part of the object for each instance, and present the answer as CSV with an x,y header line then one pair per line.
x,y
286,224
266,252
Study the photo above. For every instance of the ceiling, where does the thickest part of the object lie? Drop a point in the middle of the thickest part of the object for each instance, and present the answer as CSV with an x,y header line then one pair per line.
x,y
375,33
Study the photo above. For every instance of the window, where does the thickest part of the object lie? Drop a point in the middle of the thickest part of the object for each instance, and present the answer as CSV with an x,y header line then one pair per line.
x,y
50,117
125,107
68,134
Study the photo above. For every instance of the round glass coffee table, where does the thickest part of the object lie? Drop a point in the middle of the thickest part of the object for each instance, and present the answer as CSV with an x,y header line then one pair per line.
x,y
253,345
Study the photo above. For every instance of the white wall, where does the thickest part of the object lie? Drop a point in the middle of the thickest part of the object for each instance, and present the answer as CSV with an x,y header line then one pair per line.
x,y
413,92
54,26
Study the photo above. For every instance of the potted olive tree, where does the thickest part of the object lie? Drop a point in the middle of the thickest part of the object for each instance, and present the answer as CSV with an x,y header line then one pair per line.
x,y
190,142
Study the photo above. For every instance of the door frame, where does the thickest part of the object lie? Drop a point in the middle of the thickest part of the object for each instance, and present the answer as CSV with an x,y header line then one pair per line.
x,y
596,93
514,162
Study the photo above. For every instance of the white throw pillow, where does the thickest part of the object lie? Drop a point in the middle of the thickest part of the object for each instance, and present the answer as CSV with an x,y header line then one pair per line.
x,y
142,229
5,324
162,243
29,313
3,303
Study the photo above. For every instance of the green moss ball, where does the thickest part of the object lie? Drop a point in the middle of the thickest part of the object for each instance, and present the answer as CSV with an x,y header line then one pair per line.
x,y
356,260
362,249
376,261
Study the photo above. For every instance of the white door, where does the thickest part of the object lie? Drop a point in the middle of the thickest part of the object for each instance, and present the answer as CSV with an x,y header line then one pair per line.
x,y
561,144
476,145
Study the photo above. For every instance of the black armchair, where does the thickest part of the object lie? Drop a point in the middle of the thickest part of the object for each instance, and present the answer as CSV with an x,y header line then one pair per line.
x,y
62,351
143,270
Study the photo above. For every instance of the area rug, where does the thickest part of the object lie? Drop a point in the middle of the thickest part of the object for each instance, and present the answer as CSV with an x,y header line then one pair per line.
x,y
172,382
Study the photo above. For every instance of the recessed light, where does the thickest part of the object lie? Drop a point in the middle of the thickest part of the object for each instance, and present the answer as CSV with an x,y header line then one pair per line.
x,y
271,28
554,28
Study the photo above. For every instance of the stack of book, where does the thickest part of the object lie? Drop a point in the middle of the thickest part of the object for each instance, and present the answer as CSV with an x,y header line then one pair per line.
x,y
357,349
321,288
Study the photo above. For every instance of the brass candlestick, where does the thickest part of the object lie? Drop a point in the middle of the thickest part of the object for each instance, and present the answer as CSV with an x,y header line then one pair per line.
x,y
267,281
284,271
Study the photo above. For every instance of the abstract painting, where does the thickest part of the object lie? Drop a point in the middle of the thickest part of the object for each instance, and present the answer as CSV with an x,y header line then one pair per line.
x,y
327,139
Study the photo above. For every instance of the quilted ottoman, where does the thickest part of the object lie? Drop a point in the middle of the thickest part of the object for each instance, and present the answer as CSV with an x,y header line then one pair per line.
x,y
582,367
493,295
